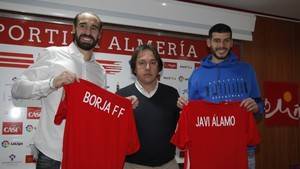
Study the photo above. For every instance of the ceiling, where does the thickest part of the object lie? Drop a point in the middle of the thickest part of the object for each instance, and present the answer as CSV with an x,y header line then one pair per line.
x,y
286,9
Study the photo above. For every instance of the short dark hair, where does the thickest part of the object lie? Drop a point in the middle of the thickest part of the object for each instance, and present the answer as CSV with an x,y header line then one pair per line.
x,y
75,20
141,48
219,28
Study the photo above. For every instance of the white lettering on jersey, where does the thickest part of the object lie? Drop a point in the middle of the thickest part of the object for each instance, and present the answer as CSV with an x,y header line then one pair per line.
x,y
215,121
103,105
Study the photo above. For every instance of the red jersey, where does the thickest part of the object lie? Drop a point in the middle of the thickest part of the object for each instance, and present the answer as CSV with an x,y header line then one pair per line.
x,y
100,128
215,135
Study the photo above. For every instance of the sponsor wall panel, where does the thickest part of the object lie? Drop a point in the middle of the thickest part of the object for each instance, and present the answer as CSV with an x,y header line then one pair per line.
x,y
20,42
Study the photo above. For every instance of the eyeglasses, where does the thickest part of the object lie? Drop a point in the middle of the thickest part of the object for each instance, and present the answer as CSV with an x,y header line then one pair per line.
x,y
144,64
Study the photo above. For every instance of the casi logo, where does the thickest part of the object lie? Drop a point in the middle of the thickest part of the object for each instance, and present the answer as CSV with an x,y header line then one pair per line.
x,y
33,112
170,65
12,128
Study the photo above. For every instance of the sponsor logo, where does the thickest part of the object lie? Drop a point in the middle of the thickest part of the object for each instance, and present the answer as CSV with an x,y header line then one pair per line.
x,y
29,159
12,128
16,143
12,157
11,160
29,128
5,144
182,78
281,104
170,65
186,67
169,78
33,112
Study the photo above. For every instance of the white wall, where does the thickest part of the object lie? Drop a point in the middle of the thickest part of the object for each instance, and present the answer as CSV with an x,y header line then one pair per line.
x,y
174,16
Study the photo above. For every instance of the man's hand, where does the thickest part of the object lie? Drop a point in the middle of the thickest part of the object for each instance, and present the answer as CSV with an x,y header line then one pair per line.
x,y
250,105
182,101
134,101
64,78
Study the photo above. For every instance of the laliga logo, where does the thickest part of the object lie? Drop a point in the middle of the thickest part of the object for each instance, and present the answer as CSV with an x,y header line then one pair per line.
x,y
182,78
29,128
5,144
287,96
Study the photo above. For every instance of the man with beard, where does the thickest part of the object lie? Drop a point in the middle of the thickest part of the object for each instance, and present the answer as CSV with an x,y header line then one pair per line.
x,y
221,77
55,67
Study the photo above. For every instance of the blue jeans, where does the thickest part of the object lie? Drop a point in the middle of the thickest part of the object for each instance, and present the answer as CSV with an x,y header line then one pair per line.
x,y
251,157
44,162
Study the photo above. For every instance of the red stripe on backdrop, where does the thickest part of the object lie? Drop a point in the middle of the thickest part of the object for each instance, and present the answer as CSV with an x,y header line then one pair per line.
x,y
15,60
112,67
108,61
13,65
24,55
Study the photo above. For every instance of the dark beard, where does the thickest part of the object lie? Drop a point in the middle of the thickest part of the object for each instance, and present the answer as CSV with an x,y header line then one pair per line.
x,y
220,58
85,46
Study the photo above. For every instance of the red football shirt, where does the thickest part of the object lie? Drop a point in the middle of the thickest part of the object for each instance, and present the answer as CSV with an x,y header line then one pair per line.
x,y
100,128
215,135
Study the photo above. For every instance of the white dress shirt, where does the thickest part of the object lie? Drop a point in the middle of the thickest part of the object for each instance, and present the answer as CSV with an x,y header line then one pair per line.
x,y
143,91
35,82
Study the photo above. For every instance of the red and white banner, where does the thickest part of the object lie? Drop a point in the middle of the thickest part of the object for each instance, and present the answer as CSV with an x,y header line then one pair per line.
x,y
281,104
44,34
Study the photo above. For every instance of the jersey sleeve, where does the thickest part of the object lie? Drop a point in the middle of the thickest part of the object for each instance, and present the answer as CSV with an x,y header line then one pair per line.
x,y
134,143
181,138
62,109
253,134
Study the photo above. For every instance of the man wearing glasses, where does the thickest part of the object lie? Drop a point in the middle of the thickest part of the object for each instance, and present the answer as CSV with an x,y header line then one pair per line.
x,y
157,113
